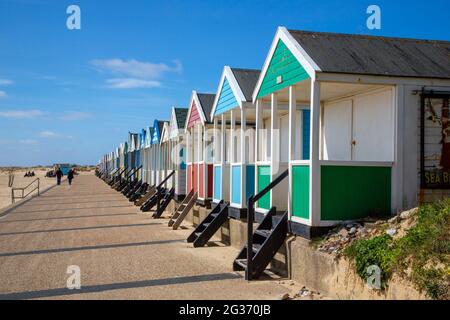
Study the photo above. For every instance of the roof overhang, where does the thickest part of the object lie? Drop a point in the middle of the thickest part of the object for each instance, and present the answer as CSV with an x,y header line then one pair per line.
x,y
195,100
228,74
296,49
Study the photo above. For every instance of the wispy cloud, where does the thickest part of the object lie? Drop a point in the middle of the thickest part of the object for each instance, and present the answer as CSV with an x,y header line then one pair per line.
x,y
47,134
5,82
136,69
3,94
21,114
75,116
28,142
131,83
130,74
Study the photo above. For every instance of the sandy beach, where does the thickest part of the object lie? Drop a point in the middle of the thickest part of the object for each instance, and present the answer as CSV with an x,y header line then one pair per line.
x,y
21,181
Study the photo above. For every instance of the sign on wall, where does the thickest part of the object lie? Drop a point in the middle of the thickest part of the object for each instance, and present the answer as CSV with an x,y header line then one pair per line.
x,y
435,141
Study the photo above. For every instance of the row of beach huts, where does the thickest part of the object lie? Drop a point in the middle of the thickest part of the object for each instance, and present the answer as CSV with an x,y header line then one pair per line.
x,y
333,128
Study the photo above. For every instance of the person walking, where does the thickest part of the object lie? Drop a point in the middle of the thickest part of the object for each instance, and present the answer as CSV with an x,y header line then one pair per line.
x,y
70,176
59,175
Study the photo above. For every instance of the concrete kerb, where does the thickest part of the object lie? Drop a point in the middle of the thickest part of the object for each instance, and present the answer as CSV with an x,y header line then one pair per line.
x,y
5,211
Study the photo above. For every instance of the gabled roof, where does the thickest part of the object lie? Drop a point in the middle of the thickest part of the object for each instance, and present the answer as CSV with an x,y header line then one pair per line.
x,y
203,103
158,126
206,103
235,87
180,116
361,54
247,79
165,133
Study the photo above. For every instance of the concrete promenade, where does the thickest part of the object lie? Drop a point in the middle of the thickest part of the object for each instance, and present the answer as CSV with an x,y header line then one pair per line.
x,y
122,253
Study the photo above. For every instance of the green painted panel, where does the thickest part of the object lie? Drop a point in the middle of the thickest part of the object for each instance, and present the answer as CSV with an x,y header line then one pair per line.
x,y
300,191
263,181
283,64
353,192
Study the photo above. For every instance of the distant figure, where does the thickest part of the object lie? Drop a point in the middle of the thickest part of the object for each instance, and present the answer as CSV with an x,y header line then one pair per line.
x,y
59,174
70,176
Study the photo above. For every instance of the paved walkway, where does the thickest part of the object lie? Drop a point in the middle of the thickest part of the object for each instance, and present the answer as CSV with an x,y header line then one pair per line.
x,y
122,253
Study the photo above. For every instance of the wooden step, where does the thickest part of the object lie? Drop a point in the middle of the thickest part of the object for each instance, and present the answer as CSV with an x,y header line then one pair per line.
x,y
241,262
264,233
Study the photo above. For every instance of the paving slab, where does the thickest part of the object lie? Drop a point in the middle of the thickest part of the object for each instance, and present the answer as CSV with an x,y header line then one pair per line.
x,y
121,252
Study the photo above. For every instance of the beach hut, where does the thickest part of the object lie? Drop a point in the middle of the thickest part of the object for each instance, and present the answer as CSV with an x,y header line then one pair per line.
x,y
199,145
164,155
156,152
233,114
117,159
177,153
347,126
126,155
142,162
173,151
341,113
146,160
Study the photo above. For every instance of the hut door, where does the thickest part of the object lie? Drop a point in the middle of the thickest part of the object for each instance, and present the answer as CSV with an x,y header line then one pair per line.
x,y
373,127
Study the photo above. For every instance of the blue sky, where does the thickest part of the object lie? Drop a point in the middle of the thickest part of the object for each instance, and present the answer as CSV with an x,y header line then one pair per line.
x,y
72,95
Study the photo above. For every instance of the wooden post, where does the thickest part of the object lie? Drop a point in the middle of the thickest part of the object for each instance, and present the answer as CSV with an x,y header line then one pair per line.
x,y
258,129
232,149
223,152
314,174
257,144
244,158
205,158
274,141
292,140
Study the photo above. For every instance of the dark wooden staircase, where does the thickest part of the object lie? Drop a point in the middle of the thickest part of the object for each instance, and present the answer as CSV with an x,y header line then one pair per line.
x,y
163,201
161,193
183,209
267,239
139,192
148,194
206,229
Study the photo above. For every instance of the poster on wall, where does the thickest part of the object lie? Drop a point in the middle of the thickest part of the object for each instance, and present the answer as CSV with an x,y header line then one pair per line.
x,y
435,142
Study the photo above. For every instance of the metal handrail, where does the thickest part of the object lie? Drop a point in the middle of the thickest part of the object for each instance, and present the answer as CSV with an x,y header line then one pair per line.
x,y
133,172
158,195
251,216
13,196
165,179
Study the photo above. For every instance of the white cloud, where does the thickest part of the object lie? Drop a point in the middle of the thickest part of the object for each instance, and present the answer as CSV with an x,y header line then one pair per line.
x,y
131,83
75,116
47,134
3,94
22,114
28,141
5,82
136,69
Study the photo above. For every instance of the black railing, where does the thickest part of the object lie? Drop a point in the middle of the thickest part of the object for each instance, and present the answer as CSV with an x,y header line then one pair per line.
x,y
251,216
23,195
158,189
133,172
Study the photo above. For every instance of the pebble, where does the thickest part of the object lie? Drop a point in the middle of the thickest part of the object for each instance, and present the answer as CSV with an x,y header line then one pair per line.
x,y
285,296
391,232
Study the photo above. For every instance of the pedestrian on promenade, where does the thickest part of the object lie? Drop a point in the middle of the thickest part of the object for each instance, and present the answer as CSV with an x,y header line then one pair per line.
x,y
59,174
70,176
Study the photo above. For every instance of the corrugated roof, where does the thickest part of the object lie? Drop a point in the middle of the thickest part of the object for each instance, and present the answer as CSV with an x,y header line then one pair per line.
x,y
180,116
247,79
206,101
360,54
